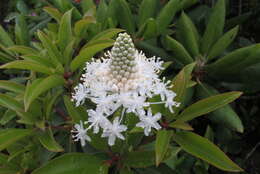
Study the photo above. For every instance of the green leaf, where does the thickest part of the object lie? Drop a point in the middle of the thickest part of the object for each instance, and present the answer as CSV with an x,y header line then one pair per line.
x,y
223,43
53,12
148,30
73,163
72,110
51,48
21,31
180,125
207,105
10,136
180,84
8,116
23,49
28,65
81,26
205,150
167,14
5,39
225,115
47,140
40,86
188,35
140,159
162,142
214,27
147,10
11,86
87,53
107,34
39,59
51,102
11,103
126,19
179,52
65,32
235,61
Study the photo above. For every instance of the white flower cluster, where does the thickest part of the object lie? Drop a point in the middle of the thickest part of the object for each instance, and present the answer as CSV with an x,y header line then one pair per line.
x,y
127,79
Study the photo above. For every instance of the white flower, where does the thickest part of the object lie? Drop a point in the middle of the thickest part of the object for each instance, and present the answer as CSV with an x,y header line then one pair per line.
x,y
149,121
80,134
114,130
81,93
96,120
125,79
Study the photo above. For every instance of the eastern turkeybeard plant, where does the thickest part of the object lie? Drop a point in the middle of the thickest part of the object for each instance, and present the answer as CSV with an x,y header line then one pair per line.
x,y
124,80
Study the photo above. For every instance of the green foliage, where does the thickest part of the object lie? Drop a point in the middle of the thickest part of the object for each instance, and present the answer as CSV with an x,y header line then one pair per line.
x,y
42,58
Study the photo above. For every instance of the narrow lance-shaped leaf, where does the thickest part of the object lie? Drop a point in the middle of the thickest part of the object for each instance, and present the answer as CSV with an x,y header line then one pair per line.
x,y
205,150
21,31
39,87
125,18
147,10
223,43
166,14
65,32
52,50
225,115
234,58
188,35
11,103
107,34
73,163
54,13
5,38
28,65
87,53
47,140
214,27
162,142
179,52
207,105
23,49
10,136
12,86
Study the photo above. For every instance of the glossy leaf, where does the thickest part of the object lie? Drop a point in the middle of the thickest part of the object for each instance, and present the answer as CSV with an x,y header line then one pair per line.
x,y
47,140
125,18
23,49
28,65
162,142
11,86
179,52
205,150
10,136
21,30
147,10
166,15
54,13
188,35
180,125
214,27
225,115
235,61
38,87
11,103
65,32
73,163
87,53
107,34
5,39
207,105
8,116
223,43
52,50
